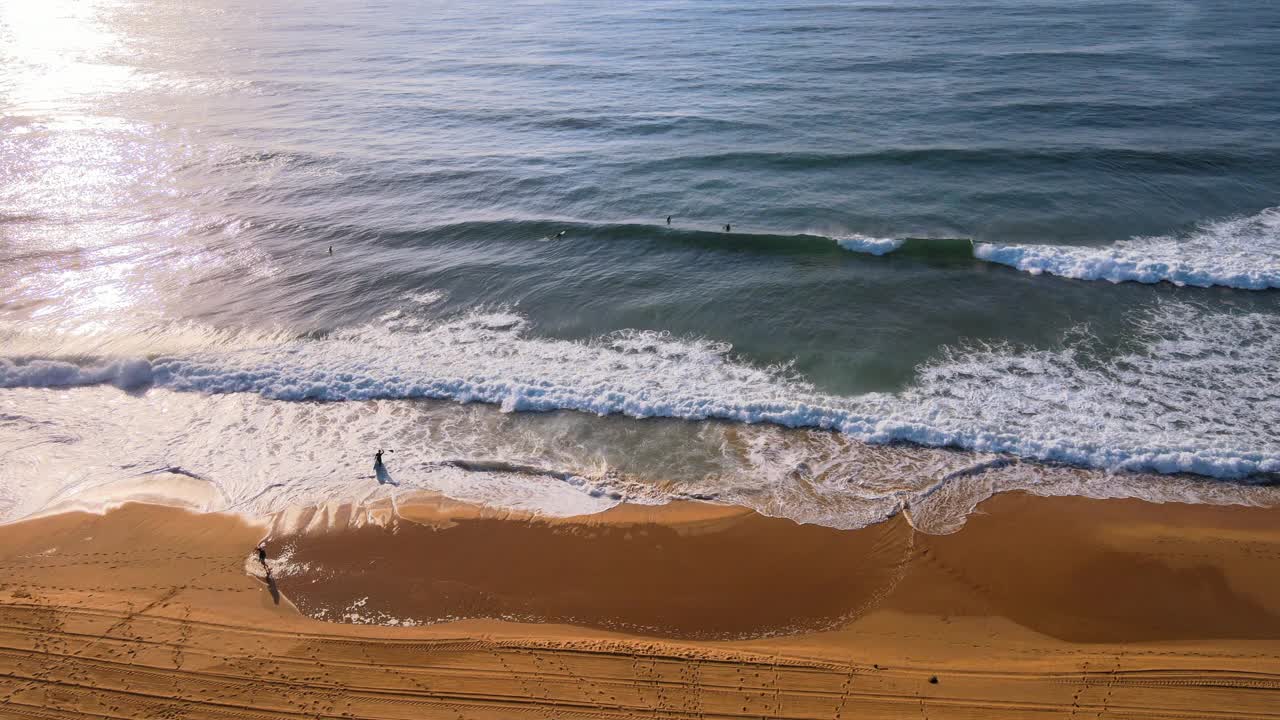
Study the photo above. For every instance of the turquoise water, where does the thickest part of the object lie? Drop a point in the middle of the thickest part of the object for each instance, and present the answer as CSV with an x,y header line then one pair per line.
x,y
1092,189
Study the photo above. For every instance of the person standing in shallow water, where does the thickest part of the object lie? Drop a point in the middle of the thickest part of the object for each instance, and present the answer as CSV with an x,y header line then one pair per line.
x,y
380,472
262,558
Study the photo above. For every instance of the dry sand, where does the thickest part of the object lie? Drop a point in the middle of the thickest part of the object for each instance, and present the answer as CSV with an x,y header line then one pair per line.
x,y
1054,607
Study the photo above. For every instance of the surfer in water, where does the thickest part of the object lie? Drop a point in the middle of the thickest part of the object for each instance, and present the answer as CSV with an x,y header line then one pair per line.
x,y
668,219
727,227
377,459
330,249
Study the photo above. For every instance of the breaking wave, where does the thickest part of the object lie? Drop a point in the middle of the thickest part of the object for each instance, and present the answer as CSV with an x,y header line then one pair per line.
x,y
870,245
1242,253
1202,395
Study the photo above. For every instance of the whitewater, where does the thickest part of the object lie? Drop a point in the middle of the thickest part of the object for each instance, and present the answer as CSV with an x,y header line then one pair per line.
x,y
1241,253
1197,395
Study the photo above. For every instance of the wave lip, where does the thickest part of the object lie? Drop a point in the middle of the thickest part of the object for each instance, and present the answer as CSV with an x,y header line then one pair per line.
x,y
126,374
1241,253
869,245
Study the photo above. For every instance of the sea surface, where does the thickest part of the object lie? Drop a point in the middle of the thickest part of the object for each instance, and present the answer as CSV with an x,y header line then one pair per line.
x,y
828,261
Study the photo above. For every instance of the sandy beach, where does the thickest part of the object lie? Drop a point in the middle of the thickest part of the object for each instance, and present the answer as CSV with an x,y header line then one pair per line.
x,y
1054,607
682,360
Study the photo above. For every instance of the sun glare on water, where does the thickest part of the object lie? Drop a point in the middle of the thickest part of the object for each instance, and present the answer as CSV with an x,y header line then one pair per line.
x,y
57,52
75,167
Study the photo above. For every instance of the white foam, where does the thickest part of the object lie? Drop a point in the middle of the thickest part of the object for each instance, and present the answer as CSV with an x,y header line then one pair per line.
x,y
869,245
1191,401
161,488
98,447
829,479
1239,253
427,297
125,374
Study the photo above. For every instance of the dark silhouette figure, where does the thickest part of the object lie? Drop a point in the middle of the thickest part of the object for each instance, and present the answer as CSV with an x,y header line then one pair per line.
x,y
668,219
727,227
271,582
380,470
330,249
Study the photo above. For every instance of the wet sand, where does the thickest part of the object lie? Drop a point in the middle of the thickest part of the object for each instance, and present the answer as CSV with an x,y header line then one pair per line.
x,y
687,570
1038,607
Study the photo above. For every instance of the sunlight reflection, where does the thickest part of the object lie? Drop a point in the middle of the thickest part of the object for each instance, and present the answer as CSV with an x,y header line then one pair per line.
x,y
74,169
59,51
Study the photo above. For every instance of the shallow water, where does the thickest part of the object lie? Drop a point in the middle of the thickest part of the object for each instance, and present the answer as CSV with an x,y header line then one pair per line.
x,y
1090,191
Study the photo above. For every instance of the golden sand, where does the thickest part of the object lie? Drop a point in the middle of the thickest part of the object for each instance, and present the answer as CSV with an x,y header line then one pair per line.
x,y
1054,607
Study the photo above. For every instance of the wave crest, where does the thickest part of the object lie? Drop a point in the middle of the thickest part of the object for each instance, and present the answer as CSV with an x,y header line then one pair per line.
x,y
126,374
1241,253
870,245
1186,402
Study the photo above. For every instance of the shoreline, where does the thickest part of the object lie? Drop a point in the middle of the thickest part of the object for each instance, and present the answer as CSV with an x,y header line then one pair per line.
x,y
1037,605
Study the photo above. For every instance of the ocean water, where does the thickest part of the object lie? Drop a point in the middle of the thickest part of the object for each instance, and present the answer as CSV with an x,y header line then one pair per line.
x,y
827,261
